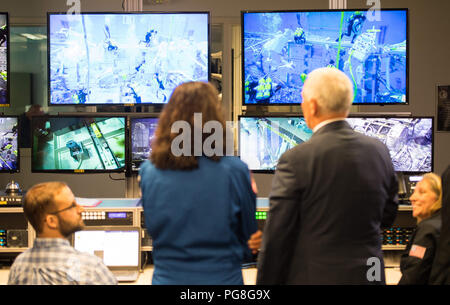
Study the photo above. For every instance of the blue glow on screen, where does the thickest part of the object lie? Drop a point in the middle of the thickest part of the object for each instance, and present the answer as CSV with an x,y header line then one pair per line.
x,y
281,48
125,58
117,215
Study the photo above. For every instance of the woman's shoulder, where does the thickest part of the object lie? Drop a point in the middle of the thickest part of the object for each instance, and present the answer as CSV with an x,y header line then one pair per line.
x,y
233,164
431,225
146,167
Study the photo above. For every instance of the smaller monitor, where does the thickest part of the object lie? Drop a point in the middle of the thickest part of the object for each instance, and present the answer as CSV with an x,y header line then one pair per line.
x,y
9,144
409,140
4,60
142,131
263,139
78,144
117,247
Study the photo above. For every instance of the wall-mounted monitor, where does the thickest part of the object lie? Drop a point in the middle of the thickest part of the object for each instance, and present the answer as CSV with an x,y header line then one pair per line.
x,y
409,140
78,144
142,132
263,139
4,60
279,49
125,58
9,144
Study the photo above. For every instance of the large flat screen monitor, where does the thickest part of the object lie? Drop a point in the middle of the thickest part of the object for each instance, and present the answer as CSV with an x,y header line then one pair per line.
x,y
281,47
9,148
262,140
78,144
125,58
142,132
409,140
4,60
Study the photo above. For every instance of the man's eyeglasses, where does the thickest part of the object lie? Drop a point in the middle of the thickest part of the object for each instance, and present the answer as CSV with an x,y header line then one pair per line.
x,y
73,205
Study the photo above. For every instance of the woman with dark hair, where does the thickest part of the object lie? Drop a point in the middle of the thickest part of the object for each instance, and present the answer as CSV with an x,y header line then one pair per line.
x,y
199,205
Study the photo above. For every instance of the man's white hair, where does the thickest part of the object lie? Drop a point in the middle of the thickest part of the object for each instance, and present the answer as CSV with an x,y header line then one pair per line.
x,y
332,89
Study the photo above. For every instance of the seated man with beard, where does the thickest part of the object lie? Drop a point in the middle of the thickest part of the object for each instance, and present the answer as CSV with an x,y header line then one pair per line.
x,y
51,209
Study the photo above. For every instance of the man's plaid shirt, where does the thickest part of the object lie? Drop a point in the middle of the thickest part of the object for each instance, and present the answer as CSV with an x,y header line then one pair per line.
x,y
53,261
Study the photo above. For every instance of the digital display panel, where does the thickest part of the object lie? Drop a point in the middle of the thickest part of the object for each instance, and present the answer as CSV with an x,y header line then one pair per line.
x,y
262,140
281,48
409,140
117,248
9,150
142,134
117,215
119,58
4,59
78,144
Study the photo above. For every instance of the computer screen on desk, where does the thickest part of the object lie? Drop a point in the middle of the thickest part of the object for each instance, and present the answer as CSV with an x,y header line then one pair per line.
x,y
117,247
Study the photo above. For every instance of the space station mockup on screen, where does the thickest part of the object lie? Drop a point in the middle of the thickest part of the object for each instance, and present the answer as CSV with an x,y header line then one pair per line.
x,y
78,144
119,58
4,44
281,48
262,140
142,134
9,151
409,140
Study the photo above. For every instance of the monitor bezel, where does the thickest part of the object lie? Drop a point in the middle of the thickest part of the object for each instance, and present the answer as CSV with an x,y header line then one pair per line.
x,y
17,170
49,14
318,11
8,63
129,141
75,171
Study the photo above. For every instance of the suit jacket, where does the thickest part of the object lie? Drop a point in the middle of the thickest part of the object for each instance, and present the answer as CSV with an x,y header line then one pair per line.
x,y
440,273
329,198
416,265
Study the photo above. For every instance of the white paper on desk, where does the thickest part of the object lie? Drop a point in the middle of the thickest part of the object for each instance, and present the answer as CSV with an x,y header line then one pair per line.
x,y
88,202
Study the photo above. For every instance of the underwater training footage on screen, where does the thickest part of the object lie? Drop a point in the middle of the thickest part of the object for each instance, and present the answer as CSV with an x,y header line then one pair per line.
x,y
281,48
97,59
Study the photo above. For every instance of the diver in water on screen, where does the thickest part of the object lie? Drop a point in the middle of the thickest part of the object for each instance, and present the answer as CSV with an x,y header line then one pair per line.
x,y
354,25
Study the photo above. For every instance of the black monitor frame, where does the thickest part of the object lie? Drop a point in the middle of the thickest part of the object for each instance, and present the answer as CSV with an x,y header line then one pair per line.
x,y
356,115
17,170
121,13
8,63
77,171
321,10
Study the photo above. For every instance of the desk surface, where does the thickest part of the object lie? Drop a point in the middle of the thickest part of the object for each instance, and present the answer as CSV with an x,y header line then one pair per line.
x,y
145,278
261,202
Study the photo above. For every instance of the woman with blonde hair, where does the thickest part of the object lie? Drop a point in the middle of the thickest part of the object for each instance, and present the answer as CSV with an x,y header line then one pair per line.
x,y
418,258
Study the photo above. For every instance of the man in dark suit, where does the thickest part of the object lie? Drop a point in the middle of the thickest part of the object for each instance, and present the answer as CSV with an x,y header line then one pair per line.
x,y
330,197
440,272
